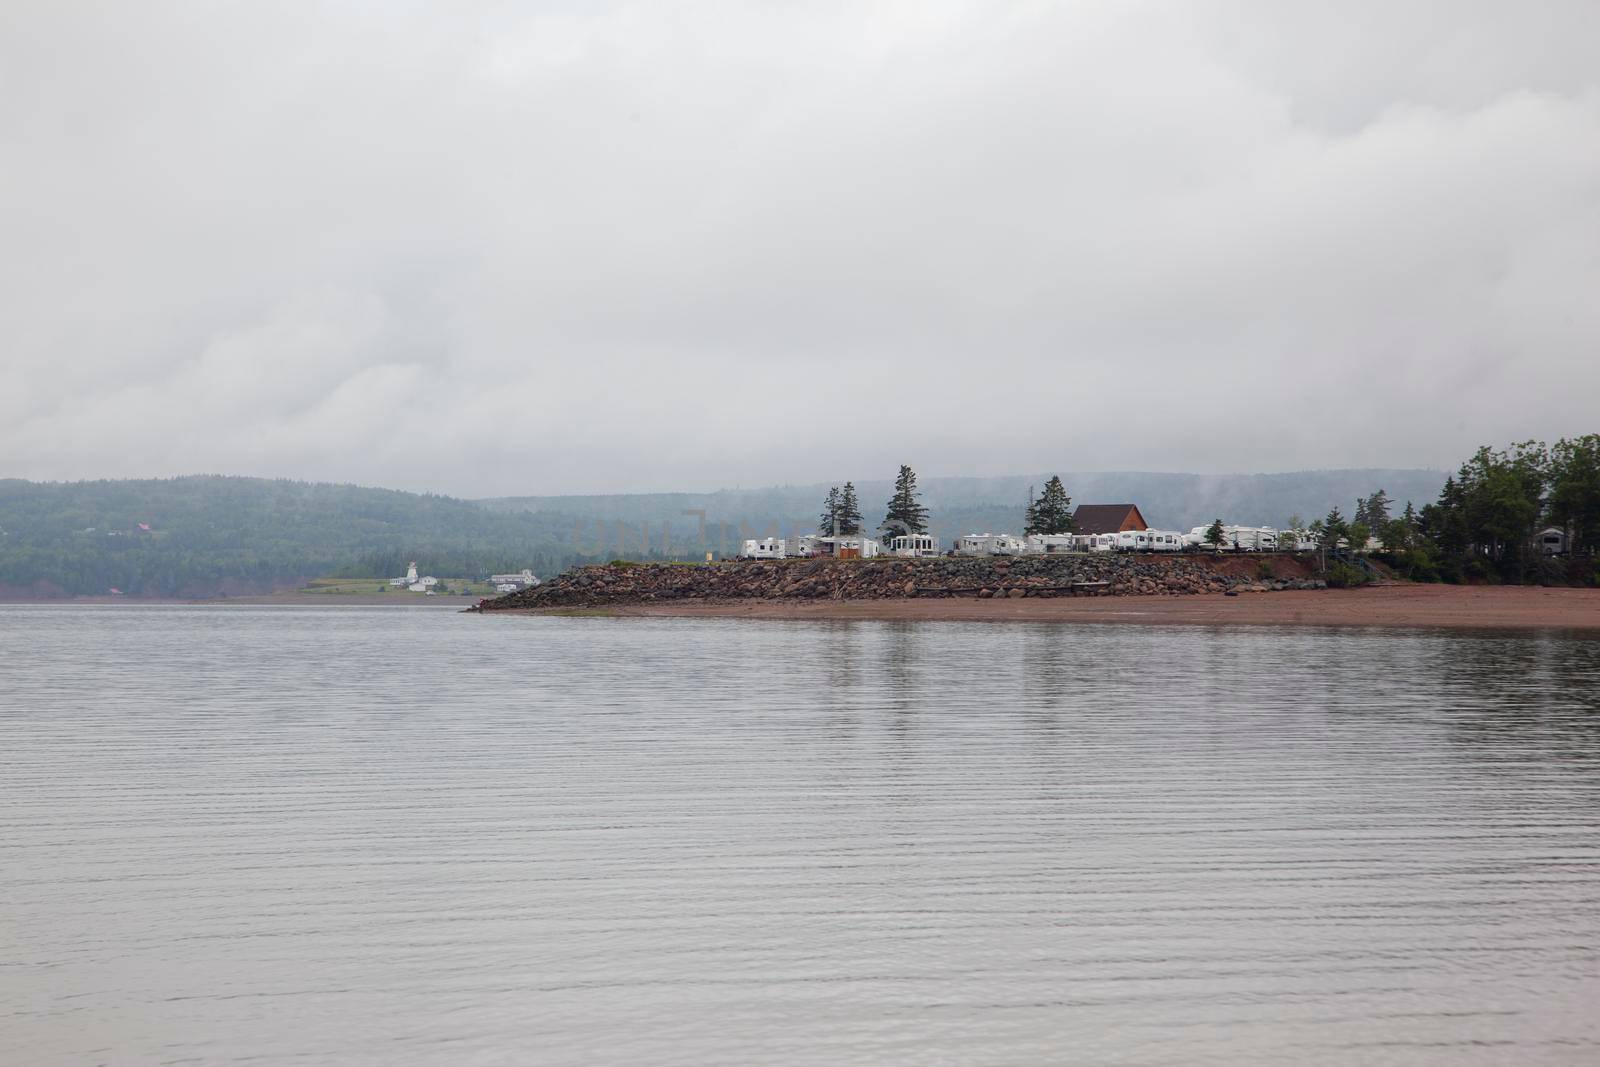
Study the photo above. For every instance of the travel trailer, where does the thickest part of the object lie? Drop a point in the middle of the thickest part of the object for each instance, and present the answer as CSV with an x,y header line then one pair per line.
x,y
987,544
1165,540
1552,541
914,545
1050,544
765,548
1105,542
1236,539
847,546
1133,540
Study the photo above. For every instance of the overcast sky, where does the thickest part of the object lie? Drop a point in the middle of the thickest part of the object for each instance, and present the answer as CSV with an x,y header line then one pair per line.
x,y
520,248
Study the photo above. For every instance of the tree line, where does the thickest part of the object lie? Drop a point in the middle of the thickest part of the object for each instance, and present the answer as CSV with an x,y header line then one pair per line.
x,y
1486,522
1049,513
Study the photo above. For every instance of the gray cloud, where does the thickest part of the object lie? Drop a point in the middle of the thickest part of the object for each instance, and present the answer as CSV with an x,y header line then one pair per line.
x,y
486,250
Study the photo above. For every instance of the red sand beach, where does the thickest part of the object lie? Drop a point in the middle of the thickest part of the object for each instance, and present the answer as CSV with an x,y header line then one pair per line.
x,y
1499,607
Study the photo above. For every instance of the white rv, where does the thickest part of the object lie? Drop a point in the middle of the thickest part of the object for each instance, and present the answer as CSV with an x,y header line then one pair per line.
x,y
914,545
1095,542
1132,540
1236,539
1552,541
1050,544
803,546
765,548
1165,540
846,546
987,544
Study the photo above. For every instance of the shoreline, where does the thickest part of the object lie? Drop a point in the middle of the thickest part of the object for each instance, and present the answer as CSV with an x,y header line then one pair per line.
x,y
1401,605
259,600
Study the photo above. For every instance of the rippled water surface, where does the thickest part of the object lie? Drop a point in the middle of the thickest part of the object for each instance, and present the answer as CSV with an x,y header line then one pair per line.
x,y
385,836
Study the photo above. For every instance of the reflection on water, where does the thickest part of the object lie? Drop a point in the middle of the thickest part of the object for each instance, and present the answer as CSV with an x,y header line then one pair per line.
x,y
381,836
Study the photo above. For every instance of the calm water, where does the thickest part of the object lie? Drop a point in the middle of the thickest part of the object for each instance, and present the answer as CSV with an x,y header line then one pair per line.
x,y
382,836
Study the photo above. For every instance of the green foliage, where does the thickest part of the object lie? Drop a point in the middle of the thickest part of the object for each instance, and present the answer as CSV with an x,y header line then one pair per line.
x,y
1395,535
905,515
1574,471
1214,534
1484,521
1344,576
1357,534
1052,512
1265,569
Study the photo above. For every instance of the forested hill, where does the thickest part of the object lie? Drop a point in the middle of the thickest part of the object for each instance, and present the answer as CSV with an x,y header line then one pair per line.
x,y
205,535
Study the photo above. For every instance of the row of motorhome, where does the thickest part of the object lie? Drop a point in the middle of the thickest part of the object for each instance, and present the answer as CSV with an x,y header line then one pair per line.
x,y
857,546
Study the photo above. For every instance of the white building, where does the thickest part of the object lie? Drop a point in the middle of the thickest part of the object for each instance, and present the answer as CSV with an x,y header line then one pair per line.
x,y
1552,540
410,578
914,545
803,546
523,579
987,544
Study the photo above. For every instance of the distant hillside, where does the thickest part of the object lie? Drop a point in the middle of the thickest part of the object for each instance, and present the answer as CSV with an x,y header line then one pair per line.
x,y
967,505
206,535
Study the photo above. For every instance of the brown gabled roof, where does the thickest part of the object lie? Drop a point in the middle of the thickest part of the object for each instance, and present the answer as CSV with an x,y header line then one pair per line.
x,y
1107,518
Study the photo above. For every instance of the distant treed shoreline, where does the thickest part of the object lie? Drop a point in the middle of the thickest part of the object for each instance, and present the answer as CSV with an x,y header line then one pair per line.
x,y
208,535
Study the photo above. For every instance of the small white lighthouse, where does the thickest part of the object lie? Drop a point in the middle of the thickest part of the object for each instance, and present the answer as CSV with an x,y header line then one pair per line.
x,y
411,572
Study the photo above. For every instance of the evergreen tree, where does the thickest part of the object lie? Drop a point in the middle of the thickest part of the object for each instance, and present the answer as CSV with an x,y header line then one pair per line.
x,y
1575,490
905,515
1215,534
849,510
1333,528
1051,513
828,523
1377,510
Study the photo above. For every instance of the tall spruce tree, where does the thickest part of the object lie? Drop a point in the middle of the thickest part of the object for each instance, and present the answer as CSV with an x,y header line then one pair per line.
x,y
1333,528
1215,535
1378,509
849,510
828,522
905,515
1051,513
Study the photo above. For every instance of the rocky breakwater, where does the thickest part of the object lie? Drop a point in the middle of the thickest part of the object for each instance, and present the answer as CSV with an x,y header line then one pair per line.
x,y
889,579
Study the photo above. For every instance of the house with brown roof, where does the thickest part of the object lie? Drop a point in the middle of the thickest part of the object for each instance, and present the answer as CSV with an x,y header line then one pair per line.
x,y
1107,518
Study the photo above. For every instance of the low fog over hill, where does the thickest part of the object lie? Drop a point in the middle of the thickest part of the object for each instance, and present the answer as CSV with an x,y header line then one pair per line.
x,y
201,536
966,505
